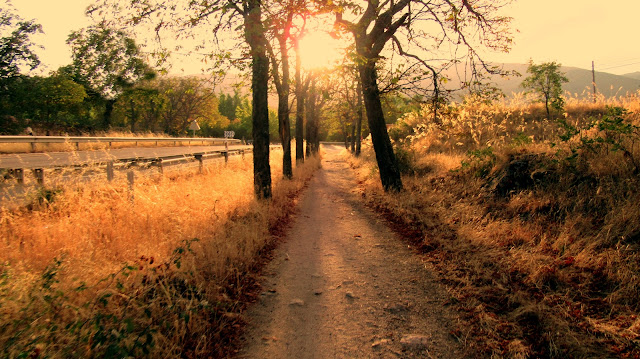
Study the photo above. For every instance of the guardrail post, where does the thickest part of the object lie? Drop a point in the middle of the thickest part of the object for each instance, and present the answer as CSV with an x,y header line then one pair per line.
x,y
18,174
110,174
200,163
33,147
130,179
39,174
160,166
78,145
242,152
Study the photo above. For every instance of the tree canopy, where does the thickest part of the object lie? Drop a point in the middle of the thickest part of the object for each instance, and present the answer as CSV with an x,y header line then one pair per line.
x,y
546,80
16,48
422,33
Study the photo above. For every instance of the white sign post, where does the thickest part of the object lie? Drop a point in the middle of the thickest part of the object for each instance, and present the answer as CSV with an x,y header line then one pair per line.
x,y
194,127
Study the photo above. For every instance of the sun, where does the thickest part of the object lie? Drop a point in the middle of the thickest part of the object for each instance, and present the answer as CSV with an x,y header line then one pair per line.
x,y
319,50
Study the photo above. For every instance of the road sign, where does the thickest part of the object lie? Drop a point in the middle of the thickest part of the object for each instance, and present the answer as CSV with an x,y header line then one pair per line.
x,y
229,134
194,126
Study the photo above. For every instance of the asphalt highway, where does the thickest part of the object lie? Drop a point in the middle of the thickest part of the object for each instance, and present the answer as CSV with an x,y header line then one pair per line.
x,y
62,159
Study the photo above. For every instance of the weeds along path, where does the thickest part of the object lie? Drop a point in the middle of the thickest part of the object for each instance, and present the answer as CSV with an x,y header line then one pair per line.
x,y
344,286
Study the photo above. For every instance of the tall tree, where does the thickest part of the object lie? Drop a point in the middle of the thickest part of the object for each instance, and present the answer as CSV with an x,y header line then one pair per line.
x,y
282,33
109,62
16,52
55,101
255,36
401,23
16,48
188,99
546,80
239,17
301,91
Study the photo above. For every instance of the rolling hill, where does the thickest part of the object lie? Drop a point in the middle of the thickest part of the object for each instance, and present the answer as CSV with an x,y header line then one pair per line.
x,y
579,81
633,75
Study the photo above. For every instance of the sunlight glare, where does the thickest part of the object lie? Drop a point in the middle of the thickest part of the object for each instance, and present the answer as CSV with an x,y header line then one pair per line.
x,y
319,50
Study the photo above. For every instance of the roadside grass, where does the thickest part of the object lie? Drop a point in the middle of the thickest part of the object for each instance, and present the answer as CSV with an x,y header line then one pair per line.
x,y
86,272
536,237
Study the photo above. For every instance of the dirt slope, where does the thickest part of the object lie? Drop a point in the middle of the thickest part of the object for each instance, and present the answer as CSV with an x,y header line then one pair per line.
x,y
344,286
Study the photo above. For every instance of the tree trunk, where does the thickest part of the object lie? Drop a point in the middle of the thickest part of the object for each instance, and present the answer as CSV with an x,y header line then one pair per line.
x,y
387,164
346,135
359,120
300,97
284,122
353,138
309,111
546,106
134,116
254,35
108,110
316,129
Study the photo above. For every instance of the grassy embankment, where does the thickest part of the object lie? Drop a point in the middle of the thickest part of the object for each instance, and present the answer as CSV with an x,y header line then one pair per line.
x,y
91,274
533,225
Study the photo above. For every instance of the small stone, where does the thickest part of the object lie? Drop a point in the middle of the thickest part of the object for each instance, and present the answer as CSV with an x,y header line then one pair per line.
x,y
379,343
297,302
271,290
415,341
395,309
349,295
317,292
233,316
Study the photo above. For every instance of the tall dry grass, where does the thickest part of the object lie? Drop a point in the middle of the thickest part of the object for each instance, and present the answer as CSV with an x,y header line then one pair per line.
x,y
536,237
93,274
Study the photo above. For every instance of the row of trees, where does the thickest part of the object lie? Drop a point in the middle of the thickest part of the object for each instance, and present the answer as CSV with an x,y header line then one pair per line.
x,y
261,34
109,84
56,103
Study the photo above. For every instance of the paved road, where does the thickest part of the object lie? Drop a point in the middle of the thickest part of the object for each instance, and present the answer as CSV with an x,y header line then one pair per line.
x,y
57,159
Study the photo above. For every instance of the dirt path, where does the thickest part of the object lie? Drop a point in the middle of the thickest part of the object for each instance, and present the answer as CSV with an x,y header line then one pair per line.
x,y
344,286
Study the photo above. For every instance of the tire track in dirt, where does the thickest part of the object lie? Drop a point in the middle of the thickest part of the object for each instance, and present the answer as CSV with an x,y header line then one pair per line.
x,y
343,285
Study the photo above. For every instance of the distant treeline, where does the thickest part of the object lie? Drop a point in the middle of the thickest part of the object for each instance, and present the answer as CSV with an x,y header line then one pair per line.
x,y
60,103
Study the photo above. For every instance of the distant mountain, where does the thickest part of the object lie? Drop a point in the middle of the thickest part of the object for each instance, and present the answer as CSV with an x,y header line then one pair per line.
x,y
579,81
633,75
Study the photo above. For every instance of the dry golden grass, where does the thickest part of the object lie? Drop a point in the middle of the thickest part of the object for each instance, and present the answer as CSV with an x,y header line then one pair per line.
x,y
547,269
92,274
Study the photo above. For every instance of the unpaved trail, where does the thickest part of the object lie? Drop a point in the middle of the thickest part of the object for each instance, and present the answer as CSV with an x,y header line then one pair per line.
x,y
343,285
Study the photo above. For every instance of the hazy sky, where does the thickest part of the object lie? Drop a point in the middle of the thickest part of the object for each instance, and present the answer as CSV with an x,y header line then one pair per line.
x,y
572,32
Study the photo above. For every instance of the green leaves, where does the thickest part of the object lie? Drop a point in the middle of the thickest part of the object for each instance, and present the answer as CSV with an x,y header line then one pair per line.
x,y
546,80
16,49
107,59
612,133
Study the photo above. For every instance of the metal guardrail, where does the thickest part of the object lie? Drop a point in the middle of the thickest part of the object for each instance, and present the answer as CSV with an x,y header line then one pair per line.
x,y
34,140
161,162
